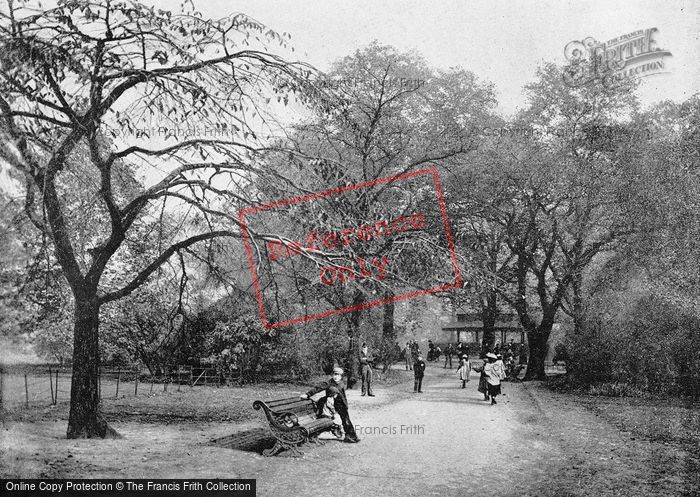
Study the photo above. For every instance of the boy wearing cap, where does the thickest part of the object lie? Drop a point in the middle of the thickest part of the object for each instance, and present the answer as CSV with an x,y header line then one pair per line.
x,y
326,407
340,403
418,372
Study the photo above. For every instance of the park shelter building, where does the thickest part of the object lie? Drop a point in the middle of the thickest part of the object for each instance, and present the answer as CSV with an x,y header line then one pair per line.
x,y
468,327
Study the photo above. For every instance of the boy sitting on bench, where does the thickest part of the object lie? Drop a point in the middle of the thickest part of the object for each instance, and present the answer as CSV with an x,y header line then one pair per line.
x,y
326,409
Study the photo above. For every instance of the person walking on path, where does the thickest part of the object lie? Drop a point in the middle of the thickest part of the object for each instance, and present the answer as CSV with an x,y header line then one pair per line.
x,y
465,368
418,372
495,372
341,402
366,369
408,356
448,355
483,384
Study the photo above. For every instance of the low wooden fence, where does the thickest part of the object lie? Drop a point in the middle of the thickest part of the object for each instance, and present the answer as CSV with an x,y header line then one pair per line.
x,y
41,387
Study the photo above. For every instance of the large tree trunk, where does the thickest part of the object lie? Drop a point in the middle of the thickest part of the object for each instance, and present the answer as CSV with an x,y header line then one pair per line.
x,y
388,331
578,309
537,343
489,313
353,361
85,419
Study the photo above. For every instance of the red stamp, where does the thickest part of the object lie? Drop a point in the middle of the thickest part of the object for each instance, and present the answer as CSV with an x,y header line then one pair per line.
x,y
386,239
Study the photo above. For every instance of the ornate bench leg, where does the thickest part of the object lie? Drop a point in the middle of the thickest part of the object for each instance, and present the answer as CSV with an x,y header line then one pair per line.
x,y
295,450
313,439
274,450
279,447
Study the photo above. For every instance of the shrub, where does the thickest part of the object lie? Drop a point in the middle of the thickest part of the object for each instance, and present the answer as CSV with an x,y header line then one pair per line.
x,y
654,347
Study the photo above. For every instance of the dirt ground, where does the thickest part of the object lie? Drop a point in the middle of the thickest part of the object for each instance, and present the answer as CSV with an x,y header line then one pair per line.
x,y
445,441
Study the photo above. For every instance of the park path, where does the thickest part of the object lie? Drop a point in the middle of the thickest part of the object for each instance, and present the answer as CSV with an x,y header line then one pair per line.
x,y
446,441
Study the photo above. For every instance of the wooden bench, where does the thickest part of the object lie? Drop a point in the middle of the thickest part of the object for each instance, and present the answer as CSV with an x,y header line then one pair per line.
x,y
292,421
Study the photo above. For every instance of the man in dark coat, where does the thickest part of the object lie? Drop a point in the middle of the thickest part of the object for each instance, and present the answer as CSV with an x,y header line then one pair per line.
x,y
418,372
415,350
408,356
341,402
366,369
448,355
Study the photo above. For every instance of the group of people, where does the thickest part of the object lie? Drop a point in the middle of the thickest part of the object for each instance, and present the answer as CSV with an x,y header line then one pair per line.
x,y
334,404
508,354
510,351
493,371
460,350
434,351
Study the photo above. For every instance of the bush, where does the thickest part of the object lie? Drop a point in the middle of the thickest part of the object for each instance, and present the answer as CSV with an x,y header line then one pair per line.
x,y
652,348
616,390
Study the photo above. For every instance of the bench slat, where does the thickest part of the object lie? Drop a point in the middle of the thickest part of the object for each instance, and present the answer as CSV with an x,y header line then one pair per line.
x,y
281,402
319,425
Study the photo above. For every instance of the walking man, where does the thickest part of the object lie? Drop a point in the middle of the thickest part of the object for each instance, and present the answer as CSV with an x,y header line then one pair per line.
x,y
448,355
366,368
418,372
408,356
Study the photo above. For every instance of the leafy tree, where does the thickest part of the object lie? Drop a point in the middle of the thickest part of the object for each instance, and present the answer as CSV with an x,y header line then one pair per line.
x,y
395,115
552,198
82,83
641,299
147,325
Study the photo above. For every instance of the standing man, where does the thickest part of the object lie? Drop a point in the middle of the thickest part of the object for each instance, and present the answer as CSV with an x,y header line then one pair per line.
x,y
366,368
408,356
341,403
448,355
418,372
415,350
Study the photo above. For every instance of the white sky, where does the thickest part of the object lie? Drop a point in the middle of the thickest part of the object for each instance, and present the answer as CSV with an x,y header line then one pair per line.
x,y
499,40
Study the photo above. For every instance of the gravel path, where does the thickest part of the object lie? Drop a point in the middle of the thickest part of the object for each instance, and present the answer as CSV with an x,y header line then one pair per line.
x,y
445,441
